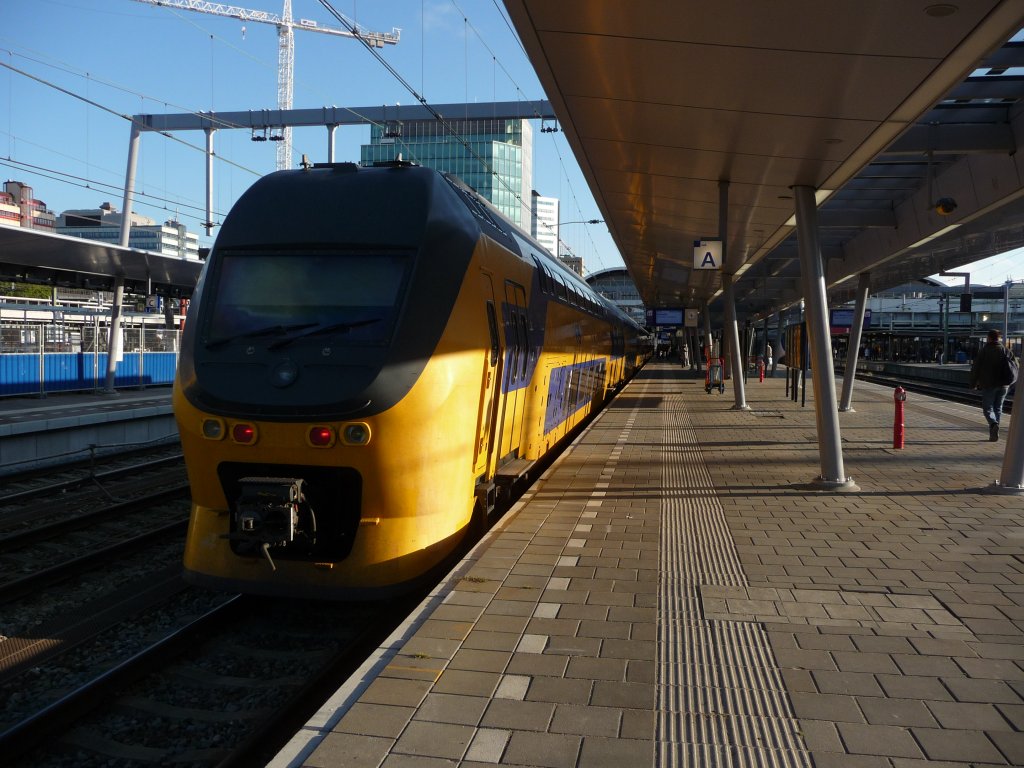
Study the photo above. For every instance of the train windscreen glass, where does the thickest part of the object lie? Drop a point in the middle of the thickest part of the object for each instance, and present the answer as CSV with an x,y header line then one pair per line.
x,y
353,297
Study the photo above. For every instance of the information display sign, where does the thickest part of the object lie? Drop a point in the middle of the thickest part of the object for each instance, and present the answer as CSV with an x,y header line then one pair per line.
x,y
668,316
843,318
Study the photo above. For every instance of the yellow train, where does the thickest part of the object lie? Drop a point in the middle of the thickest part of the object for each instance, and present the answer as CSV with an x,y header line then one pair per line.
x,y
371,356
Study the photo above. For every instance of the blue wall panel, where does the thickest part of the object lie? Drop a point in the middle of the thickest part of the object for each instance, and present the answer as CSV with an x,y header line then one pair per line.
x,y
76,371
19,374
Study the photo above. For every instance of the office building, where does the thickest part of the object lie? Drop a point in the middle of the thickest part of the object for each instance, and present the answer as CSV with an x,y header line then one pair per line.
x,y
544,221
18,208
572,261
104,223
499,167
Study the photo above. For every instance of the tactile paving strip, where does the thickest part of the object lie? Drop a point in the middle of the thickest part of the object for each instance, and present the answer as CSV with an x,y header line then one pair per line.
x,y
721,697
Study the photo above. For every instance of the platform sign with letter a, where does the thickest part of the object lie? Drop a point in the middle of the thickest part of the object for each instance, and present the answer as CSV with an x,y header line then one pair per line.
x,y
707,254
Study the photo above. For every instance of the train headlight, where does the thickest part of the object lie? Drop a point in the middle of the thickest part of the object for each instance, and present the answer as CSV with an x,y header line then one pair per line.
x,y
356,434
244,434
213,429
321,437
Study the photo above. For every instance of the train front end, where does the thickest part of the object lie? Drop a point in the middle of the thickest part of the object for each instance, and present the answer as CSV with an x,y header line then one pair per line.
x,y
318,394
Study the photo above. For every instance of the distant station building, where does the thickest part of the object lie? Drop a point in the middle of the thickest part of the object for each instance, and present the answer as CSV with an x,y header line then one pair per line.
x,y
544,220
617,285
927,321
18,208
501,169
104,223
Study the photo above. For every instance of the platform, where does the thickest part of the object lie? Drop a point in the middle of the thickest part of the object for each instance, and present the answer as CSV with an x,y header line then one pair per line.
x,y
672,592
42,432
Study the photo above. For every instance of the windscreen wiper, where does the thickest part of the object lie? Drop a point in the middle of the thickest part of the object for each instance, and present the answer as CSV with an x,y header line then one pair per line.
x,y
265,331
324,329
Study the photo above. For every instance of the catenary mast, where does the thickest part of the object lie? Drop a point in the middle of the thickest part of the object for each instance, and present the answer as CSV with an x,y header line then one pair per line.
x,y
285,49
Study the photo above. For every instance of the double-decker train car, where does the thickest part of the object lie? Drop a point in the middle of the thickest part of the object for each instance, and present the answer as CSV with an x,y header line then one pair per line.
x,y
371,356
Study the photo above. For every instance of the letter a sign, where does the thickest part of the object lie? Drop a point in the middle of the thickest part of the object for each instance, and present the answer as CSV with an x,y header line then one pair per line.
x,y
707,254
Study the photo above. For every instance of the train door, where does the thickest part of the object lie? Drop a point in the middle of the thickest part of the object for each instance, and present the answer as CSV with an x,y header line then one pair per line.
x,y
579,358
487,429
513,377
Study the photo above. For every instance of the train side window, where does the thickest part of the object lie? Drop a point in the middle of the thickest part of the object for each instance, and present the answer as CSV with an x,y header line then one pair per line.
x,y
542,277
563,291
523,361
492,326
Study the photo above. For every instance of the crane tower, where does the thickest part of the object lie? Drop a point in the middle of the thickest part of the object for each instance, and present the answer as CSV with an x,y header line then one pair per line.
x,y
285,49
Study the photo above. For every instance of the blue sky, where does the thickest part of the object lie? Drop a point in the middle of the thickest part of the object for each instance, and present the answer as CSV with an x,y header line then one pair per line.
x,y
133,58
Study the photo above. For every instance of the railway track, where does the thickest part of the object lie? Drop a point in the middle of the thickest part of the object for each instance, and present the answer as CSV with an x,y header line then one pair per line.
x,y
109,658
225,689
20,489
126,665
928,387
62,547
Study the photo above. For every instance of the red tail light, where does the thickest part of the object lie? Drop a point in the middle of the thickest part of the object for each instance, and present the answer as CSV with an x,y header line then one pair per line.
x,y
243,433
321,437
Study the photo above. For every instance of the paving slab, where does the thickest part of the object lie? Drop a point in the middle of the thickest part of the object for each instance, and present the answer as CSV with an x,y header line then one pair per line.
x,y
675,590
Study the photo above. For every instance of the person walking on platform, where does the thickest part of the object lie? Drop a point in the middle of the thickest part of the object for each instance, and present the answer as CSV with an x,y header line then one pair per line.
x,y
994,370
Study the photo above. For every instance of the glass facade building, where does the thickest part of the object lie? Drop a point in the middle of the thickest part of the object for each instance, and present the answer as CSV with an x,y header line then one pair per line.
x,y
498,163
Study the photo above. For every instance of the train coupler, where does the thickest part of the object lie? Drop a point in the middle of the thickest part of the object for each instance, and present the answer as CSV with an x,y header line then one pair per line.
x,y
267,514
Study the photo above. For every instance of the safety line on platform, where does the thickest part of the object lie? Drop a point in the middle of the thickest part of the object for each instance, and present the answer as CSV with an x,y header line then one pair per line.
x,y
721,699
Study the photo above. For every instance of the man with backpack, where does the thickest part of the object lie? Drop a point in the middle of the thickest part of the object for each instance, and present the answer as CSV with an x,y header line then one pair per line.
x,y
994,370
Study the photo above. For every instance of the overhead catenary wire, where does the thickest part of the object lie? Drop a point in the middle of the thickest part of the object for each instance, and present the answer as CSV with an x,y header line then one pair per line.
x,y
215,121
87,182
423,101
95,184
522,94
121,115
67,69
498,63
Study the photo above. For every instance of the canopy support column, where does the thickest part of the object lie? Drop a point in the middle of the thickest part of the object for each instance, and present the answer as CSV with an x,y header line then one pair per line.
x,y
826,411
708,343
735,352
778,349
114,337
1011,478
853,348
729,298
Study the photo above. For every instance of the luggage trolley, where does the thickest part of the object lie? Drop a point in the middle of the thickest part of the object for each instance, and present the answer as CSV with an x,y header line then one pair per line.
x,y
714,378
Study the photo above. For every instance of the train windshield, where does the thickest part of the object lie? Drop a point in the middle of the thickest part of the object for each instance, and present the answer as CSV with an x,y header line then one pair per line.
x,y
285,297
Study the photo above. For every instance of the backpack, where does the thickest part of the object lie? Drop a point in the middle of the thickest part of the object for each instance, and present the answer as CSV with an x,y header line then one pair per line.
x,y
1007,371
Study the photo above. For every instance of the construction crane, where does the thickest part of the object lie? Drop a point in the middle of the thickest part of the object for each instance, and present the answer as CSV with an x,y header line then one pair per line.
x,y
285,51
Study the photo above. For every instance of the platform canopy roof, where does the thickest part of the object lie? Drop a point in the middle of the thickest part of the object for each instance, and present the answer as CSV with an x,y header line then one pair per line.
x,y
34,256
884,108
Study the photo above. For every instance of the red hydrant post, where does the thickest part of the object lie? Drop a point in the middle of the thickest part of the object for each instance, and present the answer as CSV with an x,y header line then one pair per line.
x,y
899,396
760,370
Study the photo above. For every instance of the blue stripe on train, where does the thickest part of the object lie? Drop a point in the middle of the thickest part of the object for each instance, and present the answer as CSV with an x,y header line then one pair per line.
x,y
570,388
